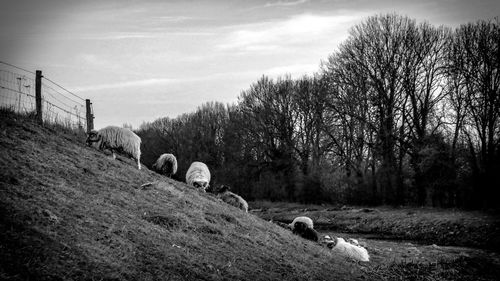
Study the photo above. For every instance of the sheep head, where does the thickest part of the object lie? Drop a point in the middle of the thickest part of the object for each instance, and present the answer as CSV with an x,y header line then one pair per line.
x,y
92,137
201,184
300,227
330,242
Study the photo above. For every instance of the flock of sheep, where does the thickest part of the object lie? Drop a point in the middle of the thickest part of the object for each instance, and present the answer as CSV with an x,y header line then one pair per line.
x,y
304,227
123,140
117,139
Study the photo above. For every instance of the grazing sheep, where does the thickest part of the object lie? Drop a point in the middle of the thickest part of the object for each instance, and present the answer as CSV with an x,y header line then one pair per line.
x,y
166,164
231,198
198,176
303,230
347,249
305,220
116,139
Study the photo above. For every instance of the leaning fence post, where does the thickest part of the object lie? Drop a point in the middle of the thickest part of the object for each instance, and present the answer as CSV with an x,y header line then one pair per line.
x,y
90,116
38,96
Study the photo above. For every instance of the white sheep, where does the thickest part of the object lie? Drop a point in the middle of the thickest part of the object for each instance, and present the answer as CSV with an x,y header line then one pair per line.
x,y
339,245
198,175
116,139
230,198
166,164
308,221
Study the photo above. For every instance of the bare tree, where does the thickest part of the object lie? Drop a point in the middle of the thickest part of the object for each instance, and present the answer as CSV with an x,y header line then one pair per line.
x,y
377,51
270,115
476,66
423,85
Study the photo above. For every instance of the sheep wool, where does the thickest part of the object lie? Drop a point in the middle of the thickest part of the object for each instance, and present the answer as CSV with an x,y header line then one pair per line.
x,y
166,164
308,221
198,175
349,250
117,139
231,198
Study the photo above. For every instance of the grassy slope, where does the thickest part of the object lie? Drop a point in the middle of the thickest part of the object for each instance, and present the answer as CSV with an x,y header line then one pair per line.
x,y
71,212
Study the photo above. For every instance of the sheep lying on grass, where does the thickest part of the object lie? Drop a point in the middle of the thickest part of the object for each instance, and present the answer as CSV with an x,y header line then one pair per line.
x,y
350,250
117,139
303,226
166,165
198,176
231,198
304,231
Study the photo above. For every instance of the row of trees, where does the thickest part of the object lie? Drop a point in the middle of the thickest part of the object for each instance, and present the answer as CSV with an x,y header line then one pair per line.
x,y
401,113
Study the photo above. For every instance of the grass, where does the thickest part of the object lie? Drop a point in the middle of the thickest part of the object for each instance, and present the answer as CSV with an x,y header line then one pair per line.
x,y
425,225
70,212
462,268
407,243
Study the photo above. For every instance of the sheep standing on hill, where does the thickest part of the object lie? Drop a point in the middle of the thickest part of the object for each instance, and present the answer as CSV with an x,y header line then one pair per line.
x,y
117,139
230,198
166,164
198,176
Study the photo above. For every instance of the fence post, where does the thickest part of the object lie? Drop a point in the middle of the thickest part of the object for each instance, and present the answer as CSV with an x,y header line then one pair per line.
x,y
38,96
90,116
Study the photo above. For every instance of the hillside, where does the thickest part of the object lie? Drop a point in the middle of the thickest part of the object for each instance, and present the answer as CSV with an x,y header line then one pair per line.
x,y
70,212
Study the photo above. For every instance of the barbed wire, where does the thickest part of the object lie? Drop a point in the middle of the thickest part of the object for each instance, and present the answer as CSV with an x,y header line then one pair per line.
x,y
16,91
48,87
70,113
59,104
68,91
17,67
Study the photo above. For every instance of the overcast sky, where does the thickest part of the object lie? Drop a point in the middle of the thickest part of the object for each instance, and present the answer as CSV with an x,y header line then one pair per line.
x,y
141,60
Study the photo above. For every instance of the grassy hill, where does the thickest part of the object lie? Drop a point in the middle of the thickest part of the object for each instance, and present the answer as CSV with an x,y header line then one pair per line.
x,y
69,212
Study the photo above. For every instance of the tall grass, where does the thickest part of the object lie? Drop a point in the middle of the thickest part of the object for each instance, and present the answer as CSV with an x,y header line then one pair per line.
x,y
53,124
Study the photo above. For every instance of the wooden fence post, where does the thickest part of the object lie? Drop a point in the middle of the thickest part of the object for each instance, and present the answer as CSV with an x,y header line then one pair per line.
x,y
90,116
38,96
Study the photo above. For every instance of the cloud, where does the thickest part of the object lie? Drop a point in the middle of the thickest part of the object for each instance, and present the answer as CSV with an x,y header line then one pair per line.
x,y
280,3
127,84
159,34
295,70
173,18
285,3
299,30
163,81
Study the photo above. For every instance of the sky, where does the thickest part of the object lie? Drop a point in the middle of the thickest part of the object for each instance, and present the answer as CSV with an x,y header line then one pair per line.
x,y
141,60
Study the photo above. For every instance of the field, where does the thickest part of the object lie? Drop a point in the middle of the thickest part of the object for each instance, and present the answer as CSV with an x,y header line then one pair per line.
x,y
69,212
414,243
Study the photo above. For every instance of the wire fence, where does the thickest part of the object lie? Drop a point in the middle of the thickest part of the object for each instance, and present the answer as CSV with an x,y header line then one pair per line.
x,y
58,105
17,91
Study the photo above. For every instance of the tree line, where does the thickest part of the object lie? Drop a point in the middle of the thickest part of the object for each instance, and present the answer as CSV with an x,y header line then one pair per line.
x,y
402,113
